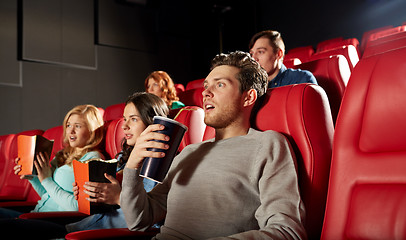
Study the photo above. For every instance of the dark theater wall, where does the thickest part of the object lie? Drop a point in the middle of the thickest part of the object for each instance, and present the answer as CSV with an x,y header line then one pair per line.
x,y
56,54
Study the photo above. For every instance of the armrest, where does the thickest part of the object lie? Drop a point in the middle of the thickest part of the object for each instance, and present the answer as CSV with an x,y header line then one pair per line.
x,y
20,206
114,233
57,217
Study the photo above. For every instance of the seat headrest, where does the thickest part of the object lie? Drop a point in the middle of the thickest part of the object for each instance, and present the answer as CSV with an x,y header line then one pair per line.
x,y
192,97
114,136
113,112
383,120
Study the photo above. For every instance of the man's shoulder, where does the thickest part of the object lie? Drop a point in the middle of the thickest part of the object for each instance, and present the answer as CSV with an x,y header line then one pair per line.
x,y
300,76
299,72
265,135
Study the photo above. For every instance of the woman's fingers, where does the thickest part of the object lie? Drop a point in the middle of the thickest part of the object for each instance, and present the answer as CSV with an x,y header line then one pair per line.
x,y
17,168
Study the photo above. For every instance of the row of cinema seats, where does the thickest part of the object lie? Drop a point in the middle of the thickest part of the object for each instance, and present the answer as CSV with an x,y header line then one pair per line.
x,y
309,128
367,186
350,48
309,120
19,194
363,194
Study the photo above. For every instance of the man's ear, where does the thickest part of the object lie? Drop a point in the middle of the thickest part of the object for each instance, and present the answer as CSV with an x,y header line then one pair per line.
x,y
280,53
250,97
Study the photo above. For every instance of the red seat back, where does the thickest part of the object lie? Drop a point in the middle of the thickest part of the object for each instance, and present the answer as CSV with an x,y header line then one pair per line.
x,y
56,134
179,88
192,97
5,161
198,83
332,75
301,53
193,118
337,43
114,137
324,45
302,113
348,51
385,33
385,46
292,62
113,112
367,189
367,34
15,188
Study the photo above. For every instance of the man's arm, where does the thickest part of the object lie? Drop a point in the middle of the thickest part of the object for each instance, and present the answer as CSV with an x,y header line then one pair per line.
x,y
140,210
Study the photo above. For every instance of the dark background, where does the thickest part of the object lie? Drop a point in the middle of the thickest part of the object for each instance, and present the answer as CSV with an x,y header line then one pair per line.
x,y
56,54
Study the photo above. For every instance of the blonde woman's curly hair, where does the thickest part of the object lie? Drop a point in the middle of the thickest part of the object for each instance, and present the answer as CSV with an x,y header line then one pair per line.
x,y
94,122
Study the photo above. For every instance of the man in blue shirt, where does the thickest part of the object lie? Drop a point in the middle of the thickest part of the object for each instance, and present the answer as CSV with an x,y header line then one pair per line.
x,y
268,49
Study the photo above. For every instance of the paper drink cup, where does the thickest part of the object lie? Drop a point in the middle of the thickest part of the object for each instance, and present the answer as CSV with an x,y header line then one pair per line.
x,y
157,168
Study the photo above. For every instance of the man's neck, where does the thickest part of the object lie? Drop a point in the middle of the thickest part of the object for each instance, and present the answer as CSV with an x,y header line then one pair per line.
x,y
273,75
233,130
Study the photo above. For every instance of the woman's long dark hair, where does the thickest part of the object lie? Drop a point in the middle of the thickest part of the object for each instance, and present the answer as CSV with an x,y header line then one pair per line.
x,y
148,105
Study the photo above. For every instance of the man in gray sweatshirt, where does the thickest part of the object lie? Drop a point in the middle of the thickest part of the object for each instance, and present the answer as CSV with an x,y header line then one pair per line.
x,y
240,185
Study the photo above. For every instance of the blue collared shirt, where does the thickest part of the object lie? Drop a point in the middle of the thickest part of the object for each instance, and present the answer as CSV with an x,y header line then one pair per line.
x,y
288,76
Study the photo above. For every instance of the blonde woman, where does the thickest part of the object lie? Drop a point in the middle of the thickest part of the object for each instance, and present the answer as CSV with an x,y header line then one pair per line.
x,y
160,84
83,133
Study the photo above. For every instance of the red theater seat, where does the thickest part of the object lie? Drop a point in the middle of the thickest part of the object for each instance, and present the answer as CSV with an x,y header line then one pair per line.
x,y
367,189
332,75
367,34
193,118
303,54
56,134
16,192
323,45
114,137
302,113
348,51
198,83
179,88
113,112
5,161
385,45
292,62
336,43
192,97
385,33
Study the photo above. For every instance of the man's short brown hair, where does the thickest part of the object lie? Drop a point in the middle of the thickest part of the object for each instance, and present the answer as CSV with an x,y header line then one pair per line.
x,y
274,37
251,75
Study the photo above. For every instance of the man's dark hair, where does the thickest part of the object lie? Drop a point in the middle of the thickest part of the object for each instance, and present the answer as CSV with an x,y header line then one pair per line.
x,y
251,75
274,37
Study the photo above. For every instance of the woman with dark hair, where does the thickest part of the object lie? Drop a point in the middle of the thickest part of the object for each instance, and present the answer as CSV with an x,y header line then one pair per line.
x,y
160,84
140,108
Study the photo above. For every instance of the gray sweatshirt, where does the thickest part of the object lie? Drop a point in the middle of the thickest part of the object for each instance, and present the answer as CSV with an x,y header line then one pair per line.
x,y
244,187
